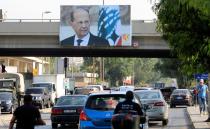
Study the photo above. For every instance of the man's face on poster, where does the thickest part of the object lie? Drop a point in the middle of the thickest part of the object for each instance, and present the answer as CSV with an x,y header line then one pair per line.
x,y
81,22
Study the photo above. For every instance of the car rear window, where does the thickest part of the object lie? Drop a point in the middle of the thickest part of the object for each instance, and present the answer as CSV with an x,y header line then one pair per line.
x,y
148,95
71,100
104,102
179,92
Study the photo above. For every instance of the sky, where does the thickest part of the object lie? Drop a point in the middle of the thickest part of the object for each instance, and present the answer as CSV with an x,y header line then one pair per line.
x,y
33,9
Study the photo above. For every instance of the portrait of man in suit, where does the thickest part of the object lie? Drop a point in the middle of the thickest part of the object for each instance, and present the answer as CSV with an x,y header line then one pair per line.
x,y
80,23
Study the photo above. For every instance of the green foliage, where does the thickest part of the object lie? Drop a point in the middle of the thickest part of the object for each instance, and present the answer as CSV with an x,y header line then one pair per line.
x,y
186,27
144,71
117,69
170,68
202,5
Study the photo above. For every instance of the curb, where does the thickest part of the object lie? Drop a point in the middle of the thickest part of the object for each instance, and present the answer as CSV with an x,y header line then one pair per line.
x,y
188,114
197,121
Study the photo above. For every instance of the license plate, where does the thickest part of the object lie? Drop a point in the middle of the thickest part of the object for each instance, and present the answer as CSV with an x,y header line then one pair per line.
x,y
69,111
178,97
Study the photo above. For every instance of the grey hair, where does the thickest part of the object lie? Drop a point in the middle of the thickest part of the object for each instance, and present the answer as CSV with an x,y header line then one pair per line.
x,y
73,11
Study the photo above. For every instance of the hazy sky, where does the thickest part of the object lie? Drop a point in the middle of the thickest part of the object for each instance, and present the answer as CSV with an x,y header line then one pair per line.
x,y
32,9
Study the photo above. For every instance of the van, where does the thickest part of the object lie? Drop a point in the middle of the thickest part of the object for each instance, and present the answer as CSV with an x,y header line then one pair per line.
x,y
51,88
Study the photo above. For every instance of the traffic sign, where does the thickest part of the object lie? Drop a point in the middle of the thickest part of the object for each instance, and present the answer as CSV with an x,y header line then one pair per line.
x,y
66,83
69,83
201,76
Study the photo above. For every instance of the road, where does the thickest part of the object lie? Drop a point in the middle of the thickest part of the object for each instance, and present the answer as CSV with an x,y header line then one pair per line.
x,y
178,119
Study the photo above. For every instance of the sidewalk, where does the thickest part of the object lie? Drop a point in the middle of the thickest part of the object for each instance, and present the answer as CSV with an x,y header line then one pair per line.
x,y
198,122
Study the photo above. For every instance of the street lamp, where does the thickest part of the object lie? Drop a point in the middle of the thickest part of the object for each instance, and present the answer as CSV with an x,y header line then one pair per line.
x,y
45,12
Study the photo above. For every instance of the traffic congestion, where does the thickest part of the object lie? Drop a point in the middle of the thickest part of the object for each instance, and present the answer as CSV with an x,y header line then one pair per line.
x,y
92,106
105,64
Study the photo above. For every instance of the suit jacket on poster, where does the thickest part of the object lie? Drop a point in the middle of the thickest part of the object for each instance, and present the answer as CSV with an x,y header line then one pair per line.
x,y
93,41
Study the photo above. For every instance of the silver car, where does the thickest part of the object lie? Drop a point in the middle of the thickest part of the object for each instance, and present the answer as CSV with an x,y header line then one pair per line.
x,y
158,110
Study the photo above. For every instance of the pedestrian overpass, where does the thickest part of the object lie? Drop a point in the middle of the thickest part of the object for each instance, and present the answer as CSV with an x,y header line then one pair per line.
x,y
31,38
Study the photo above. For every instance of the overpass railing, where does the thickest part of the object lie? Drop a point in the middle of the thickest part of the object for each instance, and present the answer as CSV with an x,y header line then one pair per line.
x,y
58,20
29,20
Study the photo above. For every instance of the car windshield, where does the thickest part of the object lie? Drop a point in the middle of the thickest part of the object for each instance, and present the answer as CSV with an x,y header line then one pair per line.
x,y
104,102
84,91
71,100
148,95
34,91
5,96
49,86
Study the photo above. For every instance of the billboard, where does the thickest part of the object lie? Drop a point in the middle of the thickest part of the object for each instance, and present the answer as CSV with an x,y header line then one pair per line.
x,y
95,26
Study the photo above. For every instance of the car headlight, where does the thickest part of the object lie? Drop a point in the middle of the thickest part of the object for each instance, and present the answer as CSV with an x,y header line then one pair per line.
x,y
8,102
39,98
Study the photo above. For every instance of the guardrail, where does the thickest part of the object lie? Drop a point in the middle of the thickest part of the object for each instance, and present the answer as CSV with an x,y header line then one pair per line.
x,y
58,20
29,20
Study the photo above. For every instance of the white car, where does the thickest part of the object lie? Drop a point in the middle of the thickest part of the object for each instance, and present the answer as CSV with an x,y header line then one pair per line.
x,y
158,107
100,87
126,88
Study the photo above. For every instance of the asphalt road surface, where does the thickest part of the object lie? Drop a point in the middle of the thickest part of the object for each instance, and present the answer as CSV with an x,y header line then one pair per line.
x,y
178,119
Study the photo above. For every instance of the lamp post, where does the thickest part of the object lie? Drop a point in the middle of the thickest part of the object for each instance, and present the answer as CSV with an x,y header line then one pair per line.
x,y
45,12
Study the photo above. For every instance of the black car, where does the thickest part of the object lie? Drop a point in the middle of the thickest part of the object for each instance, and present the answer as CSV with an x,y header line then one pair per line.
x,y
8,102
181,97
67,110
40,96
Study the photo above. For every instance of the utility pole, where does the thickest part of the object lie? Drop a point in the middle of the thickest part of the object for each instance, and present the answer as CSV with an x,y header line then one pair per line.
x,y
65,70
101,68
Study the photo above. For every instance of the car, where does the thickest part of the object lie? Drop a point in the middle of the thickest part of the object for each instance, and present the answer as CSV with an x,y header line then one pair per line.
x,y
100,87
143,88
85,90
126,88
181,97
99,108
51,89
40,96
8,101
158,107
67,110
167,91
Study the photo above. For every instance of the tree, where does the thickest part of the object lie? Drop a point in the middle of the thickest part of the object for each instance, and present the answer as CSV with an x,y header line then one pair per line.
x,y
170,68
116,69
144,71
202,5
187,31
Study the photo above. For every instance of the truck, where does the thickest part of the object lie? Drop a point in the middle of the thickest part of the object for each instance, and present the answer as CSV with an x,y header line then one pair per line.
x,y
54,82
14,82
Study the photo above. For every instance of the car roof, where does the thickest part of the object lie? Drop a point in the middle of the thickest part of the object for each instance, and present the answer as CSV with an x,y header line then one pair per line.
x,y
152,90
108,93
180,89
74,95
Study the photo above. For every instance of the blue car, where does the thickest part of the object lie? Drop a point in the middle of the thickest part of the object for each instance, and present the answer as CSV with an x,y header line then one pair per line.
x,y
99,108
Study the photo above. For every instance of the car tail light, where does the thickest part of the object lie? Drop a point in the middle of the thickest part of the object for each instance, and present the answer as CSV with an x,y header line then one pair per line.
x,y
159,104
83,116
56,111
